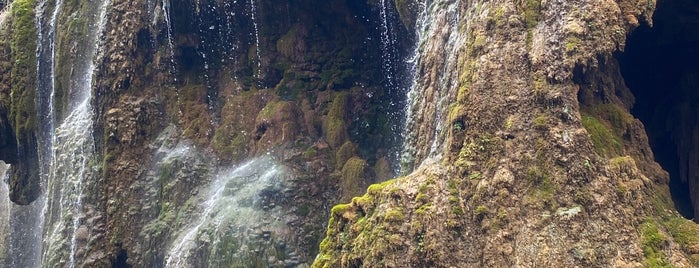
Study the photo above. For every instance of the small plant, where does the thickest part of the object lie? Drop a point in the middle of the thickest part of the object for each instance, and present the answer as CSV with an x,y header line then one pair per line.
x,y
459,126
480,212
541,122
508,123
474,176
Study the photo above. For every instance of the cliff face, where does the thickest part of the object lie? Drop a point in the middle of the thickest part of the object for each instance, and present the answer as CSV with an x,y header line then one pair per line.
x,y
147,133
525,151
195,133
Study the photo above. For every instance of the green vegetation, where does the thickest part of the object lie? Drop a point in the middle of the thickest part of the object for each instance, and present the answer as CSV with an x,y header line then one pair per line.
x,y
353,177
394,215
335,128
653,243
572,44
360,224
541,122
23,49
605,142
454,198
544,188
686,234
268,111
480,212
532,14
345,152
479,42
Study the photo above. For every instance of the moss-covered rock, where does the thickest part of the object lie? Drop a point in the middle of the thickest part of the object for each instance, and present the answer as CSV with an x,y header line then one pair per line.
x,y
334,127
344,153
355,176
604,140
24,182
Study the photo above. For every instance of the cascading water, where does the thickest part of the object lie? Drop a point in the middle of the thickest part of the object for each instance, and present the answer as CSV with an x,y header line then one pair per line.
x,y
165,6
388,47
207,49
72,150
235,201
426,110
253,17
393,70
5,214
172,68
26,222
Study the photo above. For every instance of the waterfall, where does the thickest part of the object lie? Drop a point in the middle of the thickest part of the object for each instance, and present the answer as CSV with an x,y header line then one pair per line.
x,y
388,47
253,17
206,46
437,49
235,201
165,6
5,212
72,150
26,222
393,70
172,68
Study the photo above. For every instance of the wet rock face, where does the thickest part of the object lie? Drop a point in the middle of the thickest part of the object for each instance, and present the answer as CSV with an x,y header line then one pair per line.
x,y
659,66
537,156
524,151
187,89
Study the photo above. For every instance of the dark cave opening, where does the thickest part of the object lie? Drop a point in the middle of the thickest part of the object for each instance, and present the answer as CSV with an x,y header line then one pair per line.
x,y
120,261
661,67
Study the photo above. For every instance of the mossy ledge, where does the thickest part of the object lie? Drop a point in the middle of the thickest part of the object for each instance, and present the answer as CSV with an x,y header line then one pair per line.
x,y
356,221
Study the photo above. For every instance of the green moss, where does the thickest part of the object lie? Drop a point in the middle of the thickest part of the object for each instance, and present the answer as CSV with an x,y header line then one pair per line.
x,y
532,14
340,209
541,122
375,189
653,242
543,191
421,198
394,215
310,152
335,128
618,118
424,209
479,42
605,142
268,111
345,152
572,44
685,233
353,177
480,211
23,73
475,176
509,122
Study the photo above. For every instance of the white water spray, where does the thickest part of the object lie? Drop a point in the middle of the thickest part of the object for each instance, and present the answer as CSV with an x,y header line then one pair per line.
x,y
73,148
231,198
253,16
440,24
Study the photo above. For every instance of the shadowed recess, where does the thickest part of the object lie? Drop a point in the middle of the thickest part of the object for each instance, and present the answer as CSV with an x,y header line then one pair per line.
x,y
661,67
